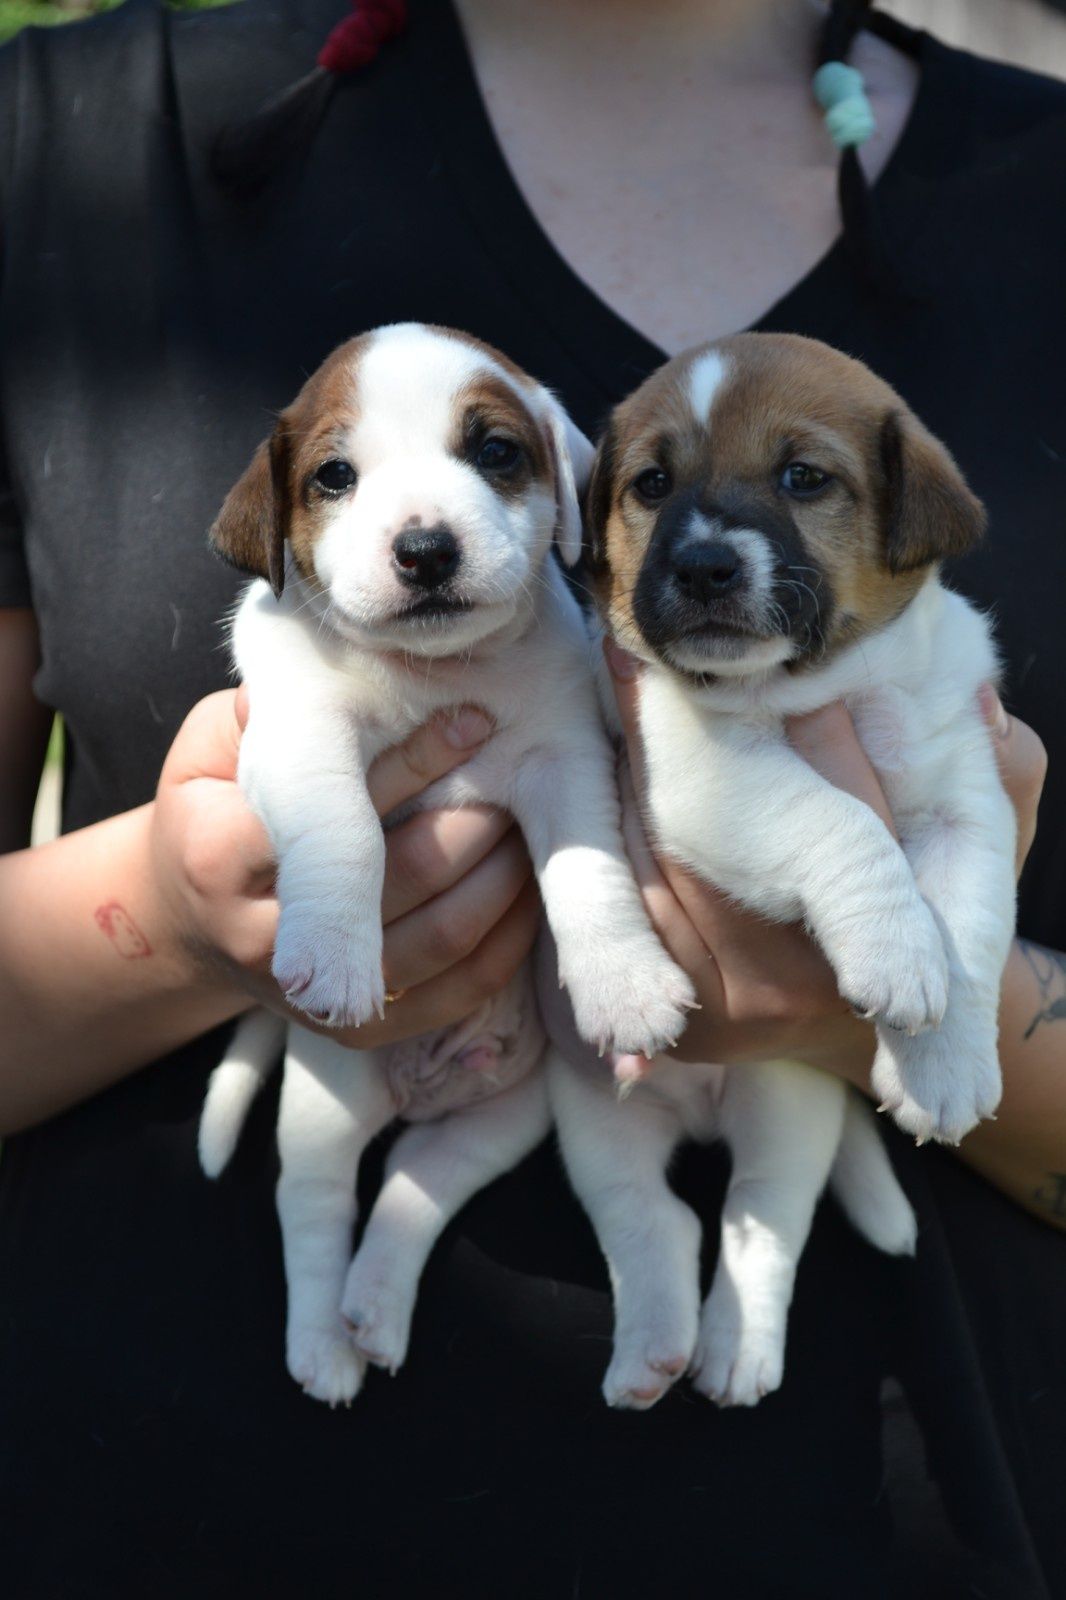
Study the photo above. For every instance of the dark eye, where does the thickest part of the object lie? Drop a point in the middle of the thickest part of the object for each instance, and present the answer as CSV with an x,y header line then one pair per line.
x,y
334,477
653,485
802,480
497,454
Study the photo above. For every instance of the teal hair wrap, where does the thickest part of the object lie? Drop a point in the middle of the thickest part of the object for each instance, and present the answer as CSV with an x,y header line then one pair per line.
x,y
841,92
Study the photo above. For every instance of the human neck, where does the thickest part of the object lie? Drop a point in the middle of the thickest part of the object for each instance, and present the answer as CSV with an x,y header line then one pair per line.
x,y
722,35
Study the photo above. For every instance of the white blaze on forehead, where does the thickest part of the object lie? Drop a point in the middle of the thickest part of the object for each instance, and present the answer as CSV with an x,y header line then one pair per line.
x,y
407,379
704,380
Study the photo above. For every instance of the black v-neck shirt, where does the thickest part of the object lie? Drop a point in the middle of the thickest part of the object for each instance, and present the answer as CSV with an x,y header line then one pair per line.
x,y
150,1440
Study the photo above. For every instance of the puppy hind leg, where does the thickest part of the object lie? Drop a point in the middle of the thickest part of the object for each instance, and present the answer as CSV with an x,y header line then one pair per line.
x,y
616,1153
866,1186
783,1123
333,1102
433,1170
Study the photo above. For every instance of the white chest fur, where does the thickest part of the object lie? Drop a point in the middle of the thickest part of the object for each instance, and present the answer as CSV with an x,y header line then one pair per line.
x,y
915,931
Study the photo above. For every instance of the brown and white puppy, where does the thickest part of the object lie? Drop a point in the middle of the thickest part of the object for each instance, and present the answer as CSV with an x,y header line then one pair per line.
x,y
766,519
401,519
767,502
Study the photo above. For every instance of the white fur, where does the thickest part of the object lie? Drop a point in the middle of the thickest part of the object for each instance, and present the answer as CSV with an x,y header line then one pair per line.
x,y
706,376
334,680
917,932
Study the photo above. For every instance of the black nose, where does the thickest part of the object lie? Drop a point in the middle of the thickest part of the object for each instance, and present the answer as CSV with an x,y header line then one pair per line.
x,y
706,571
425,558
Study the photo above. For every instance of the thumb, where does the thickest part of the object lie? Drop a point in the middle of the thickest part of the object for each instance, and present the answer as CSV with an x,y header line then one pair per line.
x,y
208,741
625,677
1022,761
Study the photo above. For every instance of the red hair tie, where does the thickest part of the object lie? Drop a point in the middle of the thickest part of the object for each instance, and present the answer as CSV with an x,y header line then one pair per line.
x,y
248,155
355,42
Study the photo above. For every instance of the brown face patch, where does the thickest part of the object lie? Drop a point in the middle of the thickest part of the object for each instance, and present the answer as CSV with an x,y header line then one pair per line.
x,y
653,427
894,502
276,502
273,502
318,423
488,408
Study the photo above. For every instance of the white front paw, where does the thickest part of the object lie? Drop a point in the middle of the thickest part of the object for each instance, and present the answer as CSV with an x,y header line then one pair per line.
x,y
627,994
378,1315
327,966
737,1364
895,970
940,1085
324,1363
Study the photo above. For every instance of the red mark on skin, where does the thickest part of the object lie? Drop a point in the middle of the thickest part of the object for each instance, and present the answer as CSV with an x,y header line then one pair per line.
x,y
127,938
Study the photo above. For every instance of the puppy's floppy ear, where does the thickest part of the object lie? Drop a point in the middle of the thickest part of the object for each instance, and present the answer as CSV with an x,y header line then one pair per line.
x,y
929,512
598,500
250,530
571,456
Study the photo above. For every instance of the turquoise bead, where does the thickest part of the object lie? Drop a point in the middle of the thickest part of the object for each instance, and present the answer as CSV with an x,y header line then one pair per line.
x,y
841,92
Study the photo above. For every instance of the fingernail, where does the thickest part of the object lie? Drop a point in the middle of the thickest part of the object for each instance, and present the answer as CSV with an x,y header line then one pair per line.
x,y
992,711
621,663
467,729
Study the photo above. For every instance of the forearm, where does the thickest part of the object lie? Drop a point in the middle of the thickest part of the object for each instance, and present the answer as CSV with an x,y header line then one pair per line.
x,y
1024,1151
93,983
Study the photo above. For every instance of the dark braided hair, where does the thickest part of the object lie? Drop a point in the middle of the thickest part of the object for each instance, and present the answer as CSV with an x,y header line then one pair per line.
x,y
248,154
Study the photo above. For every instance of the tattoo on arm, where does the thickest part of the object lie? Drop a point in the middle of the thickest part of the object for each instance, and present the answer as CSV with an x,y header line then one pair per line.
x,y
115,921
1049,969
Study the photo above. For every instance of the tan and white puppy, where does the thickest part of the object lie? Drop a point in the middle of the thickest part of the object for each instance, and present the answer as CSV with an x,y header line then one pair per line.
x,y
766,522
401,517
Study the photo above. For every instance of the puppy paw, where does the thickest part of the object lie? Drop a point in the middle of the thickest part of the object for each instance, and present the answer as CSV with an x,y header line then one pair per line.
x,y
377,1314
627,995
324,1363
939,1085
327,967
896,972
737,1364
646,1363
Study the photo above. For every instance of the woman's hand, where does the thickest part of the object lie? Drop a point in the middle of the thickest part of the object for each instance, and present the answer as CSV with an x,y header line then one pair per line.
x,y
460,908
765,988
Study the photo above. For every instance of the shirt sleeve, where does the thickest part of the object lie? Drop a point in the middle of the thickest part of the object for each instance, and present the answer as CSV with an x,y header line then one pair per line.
x,y
14,573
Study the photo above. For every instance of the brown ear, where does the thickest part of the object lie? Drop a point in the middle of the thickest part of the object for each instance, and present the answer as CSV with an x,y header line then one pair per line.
x,y
598,501
929,512
250,530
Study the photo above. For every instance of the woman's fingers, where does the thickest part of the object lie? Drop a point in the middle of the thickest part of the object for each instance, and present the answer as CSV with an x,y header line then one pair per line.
x,y
425,755
457,991
625,675
240,706
1022,761
827,741
431,851
448,929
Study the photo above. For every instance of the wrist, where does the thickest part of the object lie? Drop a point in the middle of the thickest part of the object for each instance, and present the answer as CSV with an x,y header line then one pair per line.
x,y
843,1045
186,964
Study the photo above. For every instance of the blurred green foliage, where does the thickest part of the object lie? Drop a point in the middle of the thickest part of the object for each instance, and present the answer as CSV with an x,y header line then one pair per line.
x,y
16,14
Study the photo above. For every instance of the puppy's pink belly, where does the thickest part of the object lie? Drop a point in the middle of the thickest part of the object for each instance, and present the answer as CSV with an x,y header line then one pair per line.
x,y
483,1055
